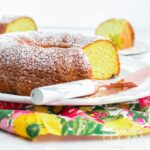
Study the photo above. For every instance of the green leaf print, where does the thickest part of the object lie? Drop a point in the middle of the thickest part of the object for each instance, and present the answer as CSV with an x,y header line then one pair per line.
x,y
138,114
5,114
135,107
33,130
81,126
112,117
99,108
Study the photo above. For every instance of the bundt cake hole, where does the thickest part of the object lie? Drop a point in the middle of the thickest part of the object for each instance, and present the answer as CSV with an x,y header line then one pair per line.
x,y
26,41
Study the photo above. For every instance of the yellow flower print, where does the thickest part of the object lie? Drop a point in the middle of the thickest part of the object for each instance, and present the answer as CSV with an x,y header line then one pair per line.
x,y
34,124
125,126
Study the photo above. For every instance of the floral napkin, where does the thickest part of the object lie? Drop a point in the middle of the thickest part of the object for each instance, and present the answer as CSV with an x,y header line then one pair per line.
x,y
30,121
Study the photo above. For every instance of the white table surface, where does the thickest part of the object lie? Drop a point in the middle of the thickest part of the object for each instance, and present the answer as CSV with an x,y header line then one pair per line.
x,y
11,142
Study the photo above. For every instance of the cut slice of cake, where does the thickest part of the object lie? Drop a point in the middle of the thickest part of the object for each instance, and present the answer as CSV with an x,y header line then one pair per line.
x,y
15,24
103,58
119,31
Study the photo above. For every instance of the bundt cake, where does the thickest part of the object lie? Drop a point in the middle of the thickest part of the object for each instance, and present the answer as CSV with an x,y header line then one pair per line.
x,y
15,24
119,31
33,59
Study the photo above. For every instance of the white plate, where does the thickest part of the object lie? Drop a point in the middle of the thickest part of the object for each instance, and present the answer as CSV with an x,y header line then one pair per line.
x,y
139,48
126,68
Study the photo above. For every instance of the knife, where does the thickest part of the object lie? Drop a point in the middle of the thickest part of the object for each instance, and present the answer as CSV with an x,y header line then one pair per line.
x,y
70,90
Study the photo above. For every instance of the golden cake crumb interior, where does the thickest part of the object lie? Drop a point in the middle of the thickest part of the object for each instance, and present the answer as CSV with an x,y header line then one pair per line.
x,y
103,59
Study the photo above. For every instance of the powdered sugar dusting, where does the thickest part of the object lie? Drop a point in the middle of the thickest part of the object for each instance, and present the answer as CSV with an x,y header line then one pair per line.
x,y
33,59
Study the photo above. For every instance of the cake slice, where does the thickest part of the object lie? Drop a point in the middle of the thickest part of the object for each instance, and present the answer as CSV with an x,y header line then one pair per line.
x,y
119,31
15,24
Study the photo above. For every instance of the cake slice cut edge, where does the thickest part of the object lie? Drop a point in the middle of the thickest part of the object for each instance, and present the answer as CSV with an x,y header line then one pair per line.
x,y
104,59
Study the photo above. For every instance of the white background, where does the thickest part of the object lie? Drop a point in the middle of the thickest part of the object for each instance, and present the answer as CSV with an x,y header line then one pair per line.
x,y
83,14
79,13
